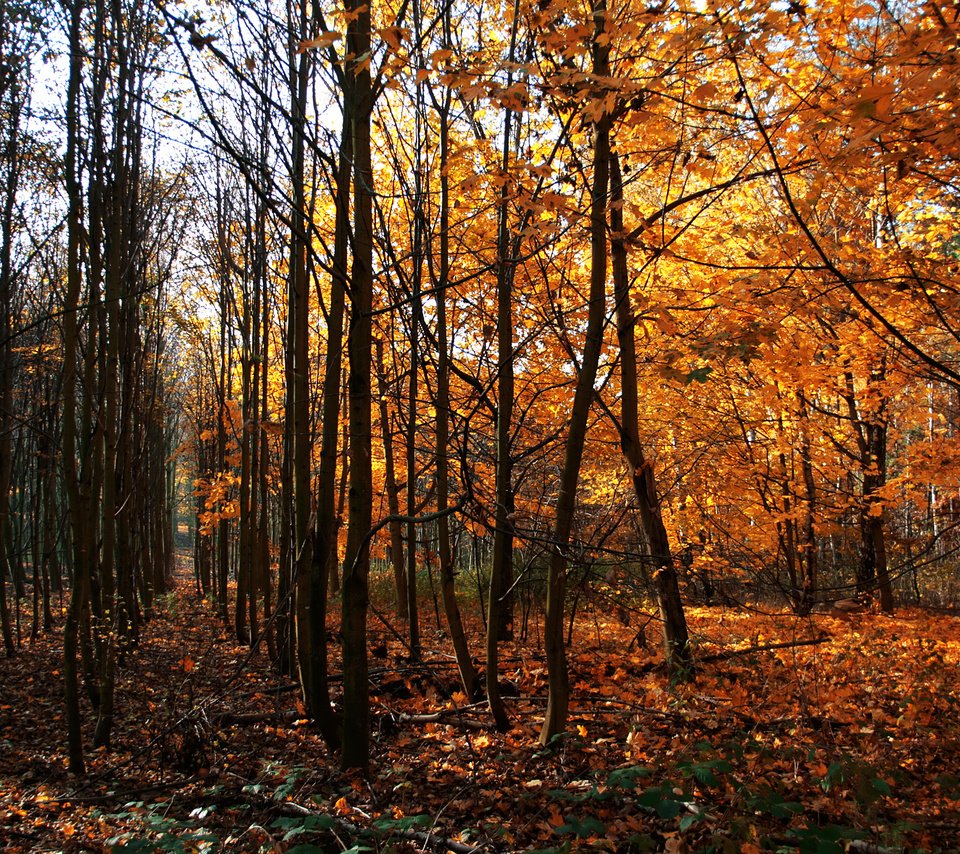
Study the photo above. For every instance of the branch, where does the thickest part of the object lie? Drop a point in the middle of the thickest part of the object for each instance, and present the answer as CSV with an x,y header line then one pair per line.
x,y
720,656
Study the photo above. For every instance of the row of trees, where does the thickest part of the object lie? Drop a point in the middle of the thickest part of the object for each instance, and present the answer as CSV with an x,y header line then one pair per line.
x,y
654,299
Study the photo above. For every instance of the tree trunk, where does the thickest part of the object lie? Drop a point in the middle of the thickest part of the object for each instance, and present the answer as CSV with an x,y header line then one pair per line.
x,y
872,568
458,636
326,553
870,433
298,306
390,485
356,700
223,526
558,700
499,610
675,638
808,529
71,305
10,156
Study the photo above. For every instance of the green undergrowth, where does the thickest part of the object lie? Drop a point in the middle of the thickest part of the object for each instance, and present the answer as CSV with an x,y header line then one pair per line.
x,y
704,802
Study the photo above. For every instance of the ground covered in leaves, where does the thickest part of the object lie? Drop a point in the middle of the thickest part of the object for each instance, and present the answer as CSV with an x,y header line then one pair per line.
x,y
848,742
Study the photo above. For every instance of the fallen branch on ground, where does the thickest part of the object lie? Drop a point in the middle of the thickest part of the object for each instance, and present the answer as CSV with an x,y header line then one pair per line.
x,y
733,653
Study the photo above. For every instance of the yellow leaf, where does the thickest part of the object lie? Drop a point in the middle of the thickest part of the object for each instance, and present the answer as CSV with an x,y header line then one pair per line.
x,y
323,40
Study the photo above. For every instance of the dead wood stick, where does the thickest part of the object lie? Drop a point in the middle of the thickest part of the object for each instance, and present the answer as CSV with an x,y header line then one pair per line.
x,y
248,718
127,795
435,717
733,653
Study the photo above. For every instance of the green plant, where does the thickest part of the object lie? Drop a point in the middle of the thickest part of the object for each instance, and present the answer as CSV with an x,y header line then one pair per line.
x,y
159,831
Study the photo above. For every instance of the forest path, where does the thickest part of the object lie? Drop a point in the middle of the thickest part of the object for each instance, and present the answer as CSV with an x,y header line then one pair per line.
x,y
172,689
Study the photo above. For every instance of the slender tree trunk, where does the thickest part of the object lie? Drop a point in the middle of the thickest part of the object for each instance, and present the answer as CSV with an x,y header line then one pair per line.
x,y
286,590
80,591
809,556
11,157
344,477
252,430
872,567
113,287
390,486
499,615
356,701
299,308
675,638
263,526
223,526
468,674
326,552
245,520
559,685
413,377
413,614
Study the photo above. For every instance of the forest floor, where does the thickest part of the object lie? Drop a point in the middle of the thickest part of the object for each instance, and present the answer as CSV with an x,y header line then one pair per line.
x,y
851,742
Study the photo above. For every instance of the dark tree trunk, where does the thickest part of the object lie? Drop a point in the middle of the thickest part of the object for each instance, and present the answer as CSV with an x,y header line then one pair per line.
x,y
356,700
675,638
558,700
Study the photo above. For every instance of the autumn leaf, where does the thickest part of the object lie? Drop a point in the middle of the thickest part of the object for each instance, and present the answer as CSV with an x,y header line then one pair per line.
x,y
393,36
705,92
321,41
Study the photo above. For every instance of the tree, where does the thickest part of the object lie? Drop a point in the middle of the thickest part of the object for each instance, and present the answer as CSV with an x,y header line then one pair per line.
x,y
558,700
19,31
501,570
675,638
358,101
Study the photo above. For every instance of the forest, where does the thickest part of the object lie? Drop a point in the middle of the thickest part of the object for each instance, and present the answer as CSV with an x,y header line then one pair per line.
x,y
521,425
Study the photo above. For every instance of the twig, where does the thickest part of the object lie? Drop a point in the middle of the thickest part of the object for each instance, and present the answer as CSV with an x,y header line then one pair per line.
x,y
247,718
127,794
434,717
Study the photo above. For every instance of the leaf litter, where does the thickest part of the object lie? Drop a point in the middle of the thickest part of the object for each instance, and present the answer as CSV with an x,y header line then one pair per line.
x,y
848,740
